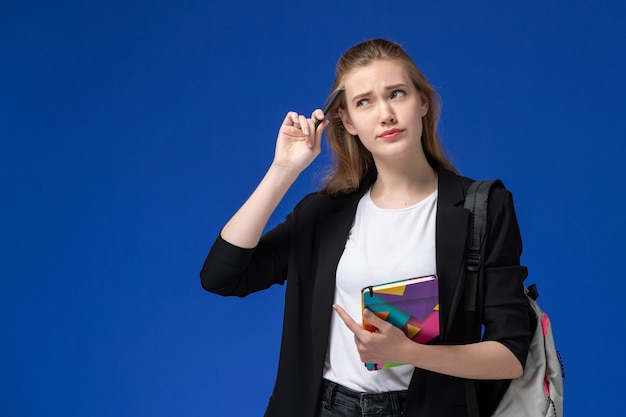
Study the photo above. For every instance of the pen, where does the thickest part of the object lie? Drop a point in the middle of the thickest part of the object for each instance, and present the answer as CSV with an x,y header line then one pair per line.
x,y
333,98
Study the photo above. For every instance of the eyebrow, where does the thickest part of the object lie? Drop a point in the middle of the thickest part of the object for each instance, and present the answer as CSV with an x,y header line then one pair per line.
x,y
387,88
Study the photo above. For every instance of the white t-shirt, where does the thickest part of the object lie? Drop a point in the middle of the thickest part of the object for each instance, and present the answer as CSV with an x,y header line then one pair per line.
x,y
383,245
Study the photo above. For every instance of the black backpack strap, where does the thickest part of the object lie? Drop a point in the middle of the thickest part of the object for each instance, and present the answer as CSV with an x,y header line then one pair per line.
x,y
477,201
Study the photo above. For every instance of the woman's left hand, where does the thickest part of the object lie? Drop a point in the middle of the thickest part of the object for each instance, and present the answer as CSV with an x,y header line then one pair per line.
x,y
482,360
386,344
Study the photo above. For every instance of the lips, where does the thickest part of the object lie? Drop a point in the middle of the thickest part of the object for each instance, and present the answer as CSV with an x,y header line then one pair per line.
x,y
390,133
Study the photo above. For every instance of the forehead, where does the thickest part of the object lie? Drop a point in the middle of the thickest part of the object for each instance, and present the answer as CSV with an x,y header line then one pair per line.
x,y
379,73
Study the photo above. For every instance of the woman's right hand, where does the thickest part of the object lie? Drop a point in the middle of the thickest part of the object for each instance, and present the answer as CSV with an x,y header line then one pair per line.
x,y
298,142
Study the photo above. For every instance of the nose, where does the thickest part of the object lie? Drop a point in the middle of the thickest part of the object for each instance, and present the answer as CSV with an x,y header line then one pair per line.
x,y
387,114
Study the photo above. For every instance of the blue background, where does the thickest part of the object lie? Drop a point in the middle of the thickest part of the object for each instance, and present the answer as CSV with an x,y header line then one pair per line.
x,y
131,131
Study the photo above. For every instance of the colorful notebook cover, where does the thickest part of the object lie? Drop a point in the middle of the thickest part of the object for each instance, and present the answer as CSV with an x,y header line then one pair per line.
x,y
412,305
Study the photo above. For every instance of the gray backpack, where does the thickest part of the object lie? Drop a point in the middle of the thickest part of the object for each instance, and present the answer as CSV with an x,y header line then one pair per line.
x,y
539,391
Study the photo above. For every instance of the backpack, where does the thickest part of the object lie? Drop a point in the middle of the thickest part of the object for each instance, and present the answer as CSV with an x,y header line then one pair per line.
x,y
539,391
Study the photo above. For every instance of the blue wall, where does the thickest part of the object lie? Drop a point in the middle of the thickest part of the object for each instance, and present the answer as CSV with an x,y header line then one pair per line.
x,y
131,131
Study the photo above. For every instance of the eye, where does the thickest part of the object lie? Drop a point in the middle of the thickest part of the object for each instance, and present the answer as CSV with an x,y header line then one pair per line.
x,y
362,102
397,93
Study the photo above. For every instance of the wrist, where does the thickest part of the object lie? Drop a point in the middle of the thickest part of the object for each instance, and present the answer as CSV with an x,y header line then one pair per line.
x,y
411,353
282,174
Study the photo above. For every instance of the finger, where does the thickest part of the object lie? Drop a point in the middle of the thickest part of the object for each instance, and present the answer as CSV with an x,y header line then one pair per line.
x,y
291,125
322,123
350,324
304,124
374,319
317,116
290,118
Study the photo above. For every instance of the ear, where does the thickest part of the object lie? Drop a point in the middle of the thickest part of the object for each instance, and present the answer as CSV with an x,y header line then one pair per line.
x,y
347,122
424,105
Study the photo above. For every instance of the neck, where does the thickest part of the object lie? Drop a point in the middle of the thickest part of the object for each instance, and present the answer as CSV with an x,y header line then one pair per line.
x,y
403,185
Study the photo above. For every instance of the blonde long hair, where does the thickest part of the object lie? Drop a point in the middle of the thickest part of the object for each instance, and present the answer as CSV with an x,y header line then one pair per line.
x,y
351,160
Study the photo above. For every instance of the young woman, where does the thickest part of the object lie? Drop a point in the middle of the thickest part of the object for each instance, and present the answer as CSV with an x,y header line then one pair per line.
x,y
392,208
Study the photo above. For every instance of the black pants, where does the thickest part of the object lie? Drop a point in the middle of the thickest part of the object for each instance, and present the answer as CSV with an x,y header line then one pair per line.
x,y
339,401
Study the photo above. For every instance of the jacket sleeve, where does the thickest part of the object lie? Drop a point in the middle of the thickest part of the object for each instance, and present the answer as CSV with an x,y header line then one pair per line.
x,y
231,270
506,308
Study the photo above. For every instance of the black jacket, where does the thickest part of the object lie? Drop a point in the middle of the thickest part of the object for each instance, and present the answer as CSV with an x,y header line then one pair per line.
x,y
304,251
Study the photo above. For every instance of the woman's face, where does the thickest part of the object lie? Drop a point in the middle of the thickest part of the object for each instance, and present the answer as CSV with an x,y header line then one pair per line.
x,y
384,109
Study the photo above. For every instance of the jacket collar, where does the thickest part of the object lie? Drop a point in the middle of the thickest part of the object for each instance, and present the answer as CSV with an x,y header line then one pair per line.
x,y
451,238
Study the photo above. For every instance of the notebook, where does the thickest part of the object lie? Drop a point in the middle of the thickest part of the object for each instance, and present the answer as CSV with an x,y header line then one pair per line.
x,y
411,304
